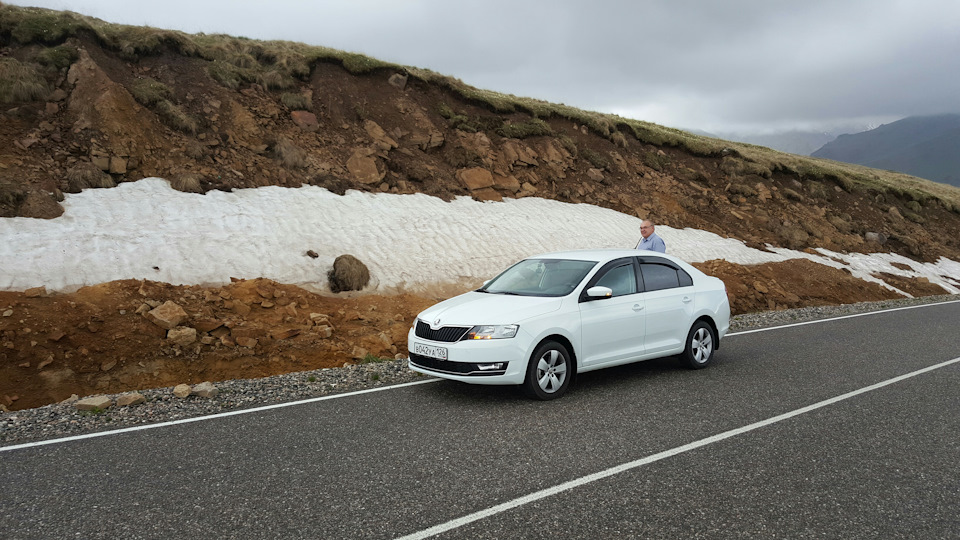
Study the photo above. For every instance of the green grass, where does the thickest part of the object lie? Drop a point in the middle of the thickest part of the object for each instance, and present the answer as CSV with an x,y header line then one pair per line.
x,y
21,82
522,130
296,102
288,153
59,57
150,92
595,158
175,117
87,175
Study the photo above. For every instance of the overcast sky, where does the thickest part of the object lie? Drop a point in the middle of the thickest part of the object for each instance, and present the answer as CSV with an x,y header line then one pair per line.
x,y
747,65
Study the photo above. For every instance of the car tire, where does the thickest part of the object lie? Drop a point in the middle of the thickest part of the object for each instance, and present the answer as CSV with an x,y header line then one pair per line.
x,y
548,372
701,342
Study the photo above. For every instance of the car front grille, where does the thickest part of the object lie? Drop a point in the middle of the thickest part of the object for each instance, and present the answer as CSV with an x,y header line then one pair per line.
x,y
447,334
454,368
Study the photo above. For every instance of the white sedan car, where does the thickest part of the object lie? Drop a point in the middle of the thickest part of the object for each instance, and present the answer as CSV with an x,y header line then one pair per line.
x,y
549,317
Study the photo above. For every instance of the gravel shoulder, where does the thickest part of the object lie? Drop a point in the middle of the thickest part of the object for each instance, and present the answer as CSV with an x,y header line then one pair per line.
x,y
64,420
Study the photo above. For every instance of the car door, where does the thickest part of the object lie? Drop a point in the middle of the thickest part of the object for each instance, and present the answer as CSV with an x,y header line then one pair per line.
x,y
612,328
669,297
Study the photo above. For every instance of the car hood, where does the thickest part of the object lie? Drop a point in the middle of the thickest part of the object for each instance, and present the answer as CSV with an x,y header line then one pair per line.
x,y
475,308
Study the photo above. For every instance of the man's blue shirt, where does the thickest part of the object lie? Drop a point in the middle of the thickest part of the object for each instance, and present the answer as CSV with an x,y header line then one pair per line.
x,y
653,243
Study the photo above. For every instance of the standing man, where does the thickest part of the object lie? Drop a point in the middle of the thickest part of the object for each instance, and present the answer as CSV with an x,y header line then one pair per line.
x,y
650,239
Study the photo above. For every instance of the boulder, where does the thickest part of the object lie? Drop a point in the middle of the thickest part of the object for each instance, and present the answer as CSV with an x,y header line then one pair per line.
x,y
181,390
348,274
205,390
475,178
182,335
93,403
363,166
168,315
130,399
305,120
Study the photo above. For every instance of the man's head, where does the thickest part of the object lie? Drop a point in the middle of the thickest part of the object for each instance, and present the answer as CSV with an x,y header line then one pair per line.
x,y
646,228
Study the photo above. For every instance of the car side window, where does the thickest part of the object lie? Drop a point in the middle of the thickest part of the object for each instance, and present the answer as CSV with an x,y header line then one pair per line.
x,y
622,280
659,276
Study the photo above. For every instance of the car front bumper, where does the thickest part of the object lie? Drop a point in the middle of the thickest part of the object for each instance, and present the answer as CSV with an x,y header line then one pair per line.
x,y
474,361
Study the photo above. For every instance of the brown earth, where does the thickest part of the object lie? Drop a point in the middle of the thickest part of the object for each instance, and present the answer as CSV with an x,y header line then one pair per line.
x,y
373,132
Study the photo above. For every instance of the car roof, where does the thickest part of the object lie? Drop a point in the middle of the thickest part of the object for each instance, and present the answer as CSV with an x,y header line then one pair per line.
x,y
599,255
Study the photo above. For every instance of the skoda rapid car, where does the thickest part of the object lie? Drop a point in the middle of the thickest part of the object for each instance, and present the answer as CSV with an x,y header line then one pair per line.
x,y
549,317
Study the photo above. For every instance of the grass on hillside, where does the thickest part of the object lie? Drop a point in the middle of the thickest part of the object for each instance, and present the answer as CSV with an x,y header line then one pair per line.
x,y
281,65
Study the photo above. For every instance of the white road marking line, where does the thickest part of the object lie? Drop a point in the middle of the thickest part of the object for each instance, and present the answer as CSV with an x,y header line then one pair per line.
x,y
840,318
348,394
566,486
210,417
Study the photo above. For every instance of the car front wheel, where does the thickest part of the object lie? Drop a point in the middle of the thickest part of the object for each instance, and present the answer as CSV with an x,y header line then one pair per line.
x,y
700,345
548,372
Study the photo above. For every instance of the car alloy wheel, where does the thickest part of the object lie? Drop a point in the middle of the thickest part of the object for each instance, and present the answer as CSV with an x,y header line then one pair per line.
x,y
699,349
549,371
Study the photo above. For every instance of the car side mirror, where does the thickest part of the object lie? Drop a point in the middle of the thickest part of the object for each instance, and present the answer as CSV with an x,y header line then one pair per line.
x,y
599,292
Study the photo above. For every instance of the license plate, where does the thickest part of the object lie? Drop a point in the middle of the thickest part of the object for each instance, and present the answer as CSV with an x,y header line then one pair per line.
x,y
429,350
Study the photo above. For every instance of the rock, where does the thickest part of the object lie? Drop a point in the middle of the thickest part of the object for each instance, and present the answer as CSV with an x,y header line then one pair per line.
x,y
118,165
324,331
168,315
487,194
319,318
595,174
475,178
108,365
208,325
72,399
182,335
507,183
312,254
879,238
93,403
35,292
760,287
205,390
363,166
305,120
348,274
181,390
102,162
359,353
286,334
248,342
8,313
398,80
130,399
380,138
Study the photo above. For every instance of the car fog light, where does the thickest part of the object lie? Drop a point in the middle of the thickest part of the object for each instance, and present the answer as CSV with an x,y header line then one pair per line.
x,y
491,367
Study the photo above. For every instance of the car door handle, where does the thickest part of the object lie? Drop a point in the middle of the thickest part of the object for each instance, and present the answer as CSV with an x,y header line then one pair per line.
x,y
686,299
637,307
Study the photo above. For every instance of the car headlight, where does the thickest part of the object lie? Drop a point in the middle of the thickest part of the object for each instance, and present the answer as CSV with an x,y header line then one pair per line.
x,y
492,331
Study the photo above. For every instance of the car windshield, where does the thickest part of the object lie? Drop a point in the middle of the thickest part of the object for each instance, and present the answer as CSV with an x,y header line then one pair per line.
x,y
540,277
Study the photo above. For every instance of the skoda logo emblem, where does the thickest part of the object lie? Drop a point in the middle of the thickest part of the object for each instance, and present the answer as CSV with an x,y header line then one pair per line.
x,y
435,325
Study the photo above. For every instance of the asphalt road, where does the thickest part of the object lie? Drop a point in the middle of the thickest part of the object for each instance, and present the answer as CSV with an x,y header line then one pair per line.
x,y
879,463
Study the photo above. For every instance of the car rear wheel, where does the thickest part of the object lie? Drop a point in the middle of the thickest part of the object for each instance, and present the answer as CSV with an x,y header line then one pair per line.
x,y
548,372
700,346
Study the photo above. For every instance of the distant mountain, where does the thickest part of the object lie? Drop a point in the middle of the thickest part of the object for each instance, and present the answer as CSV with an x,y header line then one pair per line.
x,y
794,141
923,146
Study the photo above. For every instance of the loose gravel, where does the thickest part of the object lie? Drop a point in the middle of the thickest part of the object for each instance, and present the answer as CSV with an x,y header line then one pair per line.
x,y
64,420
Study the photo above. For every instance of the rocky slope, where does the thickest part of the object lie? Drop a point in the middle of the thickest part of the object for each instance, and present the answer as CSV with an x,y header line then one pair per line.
x,y
86,104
